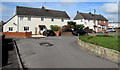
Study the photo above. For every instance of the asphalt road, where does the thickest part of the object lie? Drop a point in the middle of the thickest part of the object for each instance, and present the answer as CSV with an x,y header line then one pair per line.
x,y
58,52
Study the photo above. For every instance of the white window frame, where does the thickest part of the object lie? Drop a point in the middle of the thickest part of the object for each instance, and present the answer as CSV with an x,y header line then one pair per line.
x,y
10,29
21,17
99,21
62,20
42,18
52,19
81,20
104,21
29,18
27,28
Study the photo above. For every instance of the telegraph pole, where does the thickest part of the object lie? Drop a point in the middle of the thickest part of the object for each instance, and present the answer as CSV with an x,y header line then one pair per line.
x,y
94,20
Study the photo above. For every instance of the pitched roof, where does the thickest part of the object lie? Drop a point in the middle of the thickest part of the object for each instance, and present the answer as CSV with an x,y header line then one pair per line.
x,y
42,12
89,16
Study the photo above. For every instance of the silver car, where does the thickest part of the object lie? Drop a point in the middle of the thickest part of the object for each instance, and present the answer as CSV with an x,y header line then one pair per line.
x,y
110,30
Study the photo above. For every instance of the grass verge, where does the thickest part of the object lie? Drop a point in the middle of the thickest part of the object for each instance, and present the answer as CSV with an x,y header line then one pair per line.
x,y
106,41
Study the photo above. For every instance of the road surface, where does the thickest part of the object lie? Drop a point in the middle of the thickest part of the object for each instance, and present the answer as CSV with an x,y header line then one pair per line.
x,y
58,52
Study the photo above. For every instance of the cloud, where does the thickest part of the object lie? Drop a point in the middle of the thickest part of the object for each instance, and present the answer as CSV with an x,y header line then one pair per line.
x,y
60,0
112,17
66,3
110,8
111,11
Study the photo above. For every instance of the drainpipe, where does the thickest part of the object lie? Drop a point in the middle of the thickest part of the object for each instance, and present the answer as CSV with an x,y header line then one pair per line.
x,y
2,25
17,23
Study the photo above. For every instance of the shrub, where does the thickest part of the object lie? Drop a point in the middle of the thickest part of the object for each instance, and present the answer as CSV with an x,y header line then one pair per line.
x,y
71,23
54,27
79,27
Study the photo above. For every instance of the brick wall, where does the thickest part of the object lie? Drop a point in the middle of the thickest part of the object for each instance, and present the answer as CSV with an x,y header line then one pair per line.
x,y
66,33
17,34
102,23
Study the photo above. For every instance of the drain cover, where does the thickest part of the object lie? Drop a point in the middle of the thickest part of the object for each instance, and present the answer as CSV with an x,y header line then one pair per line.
x,y
46,44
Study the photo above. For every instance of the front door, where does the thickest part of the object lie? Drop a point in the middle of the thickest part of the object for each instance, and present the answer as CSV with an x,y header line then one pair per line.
x,y
42,28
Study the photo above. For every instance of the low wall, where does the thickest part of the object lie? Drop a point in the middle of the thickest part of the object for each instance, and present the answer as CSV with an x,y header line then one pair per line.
x,y
117,30
66,33
17,34
106,53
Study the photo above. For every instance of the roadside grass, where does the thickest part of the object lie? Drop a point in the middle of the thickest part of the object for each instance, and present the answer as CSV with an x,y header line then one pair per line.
x,y
106,41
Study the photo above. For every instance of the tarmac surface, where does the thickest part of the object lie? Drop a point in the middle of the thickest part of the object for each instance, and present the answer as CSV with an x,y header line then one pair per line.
x,y
58,52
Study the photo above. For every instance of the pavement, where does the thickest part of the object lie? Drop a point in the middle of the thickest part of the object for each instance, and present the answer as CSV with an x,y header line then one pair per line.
x,y
9,57
38,36
58,52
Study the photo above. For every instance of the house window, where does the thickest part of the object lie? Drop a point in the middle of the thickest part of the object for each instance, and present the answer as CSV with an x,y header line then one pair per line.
x,y
29,18
52,19
88,20
99,27
81,20
99,21
26,28
104,21
10,28
62,20
21,18
42,19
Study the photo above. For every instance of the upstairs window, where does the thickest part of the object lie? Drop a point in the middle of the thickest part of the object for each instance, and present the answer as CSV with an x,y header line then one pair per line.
x,y
42,19
62,20
26,28
21,17
104,21
81,20
52,19
29,18
10,28
99,21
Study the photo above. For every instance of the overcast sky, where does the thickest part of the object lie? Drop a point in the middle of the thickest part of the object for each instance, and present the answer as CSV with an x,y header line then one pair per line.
x,y
108,9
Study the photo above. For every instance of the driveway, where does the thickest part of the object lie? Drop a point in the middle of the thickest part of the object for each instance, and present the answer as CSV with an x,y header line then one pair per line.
x,y
58,52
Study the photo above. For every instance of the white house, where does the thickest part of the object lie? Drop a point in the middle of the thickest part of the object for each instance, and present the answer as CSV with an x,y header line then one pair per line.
x,y
94,21
35,20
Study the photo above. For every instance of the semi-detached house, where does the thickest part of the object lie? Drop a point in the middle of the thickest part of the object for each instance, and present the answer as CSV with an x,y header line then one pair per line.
x,y
97,22
34,20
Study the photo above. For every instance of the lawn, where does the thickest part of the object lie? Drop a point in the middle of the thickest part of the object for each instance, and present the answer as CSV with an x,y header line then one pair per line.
x,y
102,40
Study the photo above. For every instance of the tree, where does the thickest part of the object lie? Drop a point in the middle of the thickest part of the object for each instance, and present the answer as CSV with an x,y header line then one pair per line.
x,y
74,26
71,24
54,27
79,27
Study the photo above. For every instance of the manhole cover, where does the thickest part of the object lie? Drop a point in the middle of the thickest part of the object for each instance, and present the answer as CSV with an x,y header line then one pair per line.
x,y
46,44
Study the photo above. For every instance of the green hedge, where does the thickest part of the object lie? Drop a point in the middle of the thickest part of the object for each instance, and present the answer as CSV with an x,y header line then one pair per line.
x,y
54,27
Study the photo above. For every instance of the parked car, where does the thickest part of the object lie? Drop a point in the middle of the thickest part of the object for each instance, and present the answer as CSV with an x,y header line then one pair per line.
x,y
49,33
79,32
110,30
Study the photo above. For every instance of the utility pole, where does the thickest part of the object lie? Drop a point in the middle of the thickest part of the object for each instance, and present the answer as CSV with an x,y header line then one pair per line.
x,y
2,25
94,20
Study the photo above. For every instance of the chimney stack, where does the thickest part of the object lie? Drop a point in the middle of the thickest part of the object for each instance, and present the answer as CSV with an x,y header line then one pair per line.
x,y
43,7
90,13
